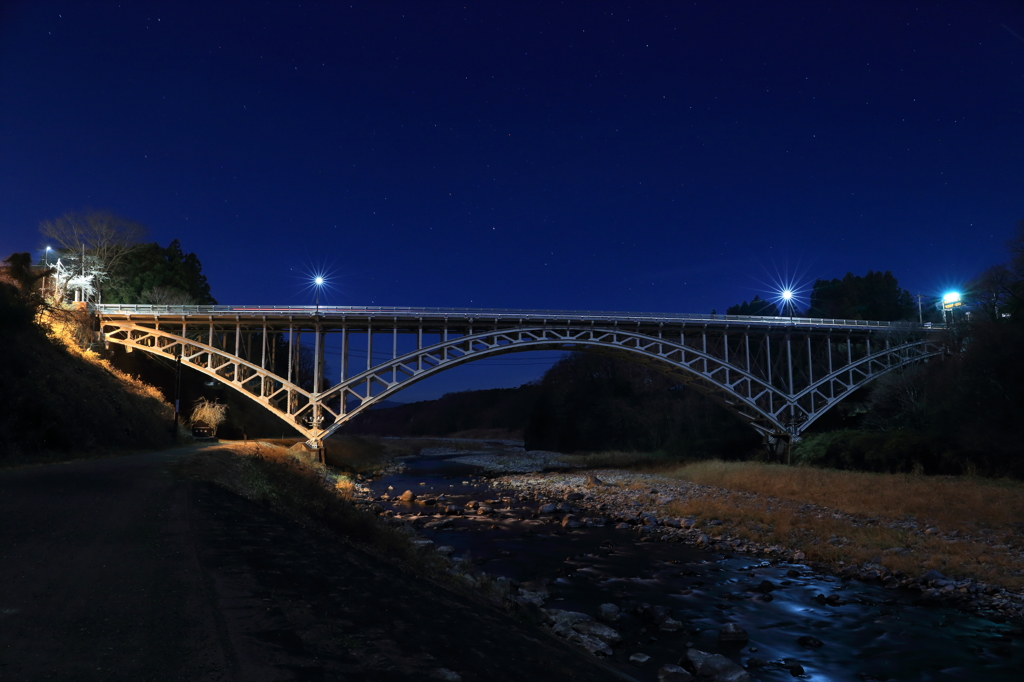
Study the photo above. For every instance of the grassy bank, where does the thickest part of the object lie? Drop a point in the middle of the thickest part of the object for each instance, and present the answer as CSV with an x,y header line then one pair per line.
x,y
67,403
969,527
278,477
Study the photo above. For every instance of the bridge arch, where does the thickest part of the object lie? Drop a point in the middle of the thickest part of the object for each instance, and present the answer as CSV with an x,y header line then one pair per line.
x,y
779,387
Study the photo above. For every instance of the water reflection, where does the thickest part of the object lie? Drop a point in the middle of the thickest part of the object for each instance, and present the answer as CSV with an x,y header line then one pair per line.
x,y
799,624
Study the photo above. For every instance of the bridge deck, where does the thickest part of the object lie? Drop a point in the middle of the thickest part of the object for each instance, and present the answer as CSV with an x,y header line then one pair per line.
x,y
482,315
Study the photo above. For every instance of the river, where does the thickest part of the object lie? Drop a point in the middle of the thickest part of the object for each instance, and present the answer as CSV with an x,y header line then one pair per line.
x,y
799,623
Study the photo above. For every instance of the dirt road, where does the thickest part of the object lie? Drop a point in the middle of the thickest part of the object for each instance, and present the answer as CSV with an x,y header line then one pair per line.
x,y
115,569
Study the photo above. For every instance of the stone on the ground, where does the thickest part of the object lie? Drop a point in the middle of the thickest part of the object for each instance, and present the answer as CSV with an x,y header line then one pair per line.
x,y
572,497
731,633
445,550
609,612
484,510
592,481
591,644
548,508
447,675
671,625
639,659
715,667
407,496
799,556
570,521
532,594
453,509
670,672
809,642
600,630
622,526
765,586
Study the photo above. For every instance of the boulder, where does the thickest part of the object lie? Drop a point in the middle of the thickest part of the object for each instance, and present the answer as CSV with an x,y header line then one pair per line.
x,y
609,612
591,644
592,481
809,642
639,659
715,667
673,673
732,634
407,496
671,625
548,509
600,630
570,521
572,497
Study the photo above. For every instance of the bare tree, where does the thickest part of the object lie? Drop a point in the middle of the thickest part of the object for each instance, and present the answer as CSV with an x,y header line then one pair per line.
x,y
102,234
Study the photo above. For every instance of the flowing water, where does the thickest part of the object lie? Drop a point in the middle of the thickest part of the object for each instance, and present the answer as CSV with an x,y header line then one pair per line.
x,y
794,629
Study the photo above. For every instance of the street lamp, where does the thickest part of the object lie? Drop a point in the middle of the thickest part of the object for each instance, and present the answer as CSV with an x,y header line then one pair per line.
x,y
787,296
46,256
950,301
318,282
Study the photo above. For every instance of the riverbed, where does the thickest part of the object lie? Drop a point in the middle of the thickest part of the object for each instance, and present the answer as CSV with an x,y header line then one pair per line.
x,y
777,619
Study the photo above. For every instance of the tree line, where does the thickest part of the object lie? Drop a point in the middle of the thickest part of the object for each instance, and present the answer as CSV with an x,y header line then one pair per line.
x,y
103,257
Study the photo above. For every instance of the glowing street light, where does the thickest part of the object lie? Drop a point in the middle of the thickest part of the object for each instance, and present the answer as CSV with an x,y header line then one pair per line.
x,y
787,296
318,282
46,256
951,300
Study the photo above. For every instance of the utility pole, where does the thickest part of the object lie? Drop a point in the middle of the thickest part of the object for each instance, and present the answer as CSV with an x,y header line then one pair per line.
x,y
920,315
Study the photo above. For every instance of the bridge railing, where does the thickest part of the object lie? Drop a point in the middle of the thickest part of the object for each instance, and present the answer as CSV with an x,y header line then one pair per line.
x,y
551,316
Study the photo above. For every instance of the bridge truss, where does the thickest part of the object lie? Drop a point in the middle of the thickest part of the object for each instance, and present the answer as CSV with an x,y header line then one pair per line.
x,y
778,374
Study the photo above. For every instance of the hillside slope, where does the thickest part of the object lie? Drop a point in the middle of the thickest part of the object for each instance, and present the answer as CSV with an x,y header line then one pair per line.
x,y
55,399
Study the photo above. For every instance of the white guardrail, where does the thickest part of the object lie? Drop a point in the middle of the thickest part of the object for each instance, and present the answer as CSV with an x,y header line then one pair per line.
x,y
492,314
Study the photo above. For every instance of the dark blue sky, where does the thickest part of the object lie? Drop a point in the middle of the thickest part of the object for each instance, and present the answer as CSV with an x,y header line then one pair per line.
x,y
659,156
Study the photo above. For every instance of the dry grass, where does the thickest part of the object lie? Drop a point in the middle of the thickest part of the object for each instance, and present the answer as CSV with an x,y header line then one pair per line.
x,y
960,503
765,504
70,402
289,484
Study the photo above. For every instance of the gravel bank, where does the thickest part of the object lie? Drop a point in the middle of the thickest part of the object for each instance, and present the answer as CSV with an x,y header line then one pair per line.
x,y
638,501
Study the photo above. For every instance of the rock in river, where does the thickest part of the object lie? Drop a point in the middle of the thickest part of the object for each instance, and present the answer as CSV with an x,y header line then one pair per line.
x,y
608,612
715,667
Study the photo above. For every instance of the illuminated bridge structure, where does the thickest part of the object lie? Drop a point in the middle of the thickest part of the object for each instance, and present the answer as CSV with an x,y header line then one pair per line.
x,y
779,374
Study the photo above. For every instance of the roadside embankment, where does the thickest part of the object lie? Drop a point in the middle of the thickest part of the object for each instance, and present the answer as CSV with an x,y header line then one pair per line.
x,y
289,481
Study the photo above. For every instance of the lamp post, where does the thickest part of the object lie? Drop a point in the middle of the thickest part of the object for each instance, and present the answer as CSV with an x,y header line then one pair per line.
x,y
46,275
318,282
787,296
950,301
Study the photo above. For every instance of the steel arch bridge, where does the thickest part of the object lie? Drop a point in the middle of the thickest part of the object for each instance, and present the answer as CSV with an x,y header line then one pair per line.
x,y
779,374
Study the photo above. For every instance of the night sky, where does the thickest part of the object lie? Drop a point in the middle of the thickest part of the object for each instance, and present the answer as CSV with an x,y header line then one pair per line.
x,y
654,156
